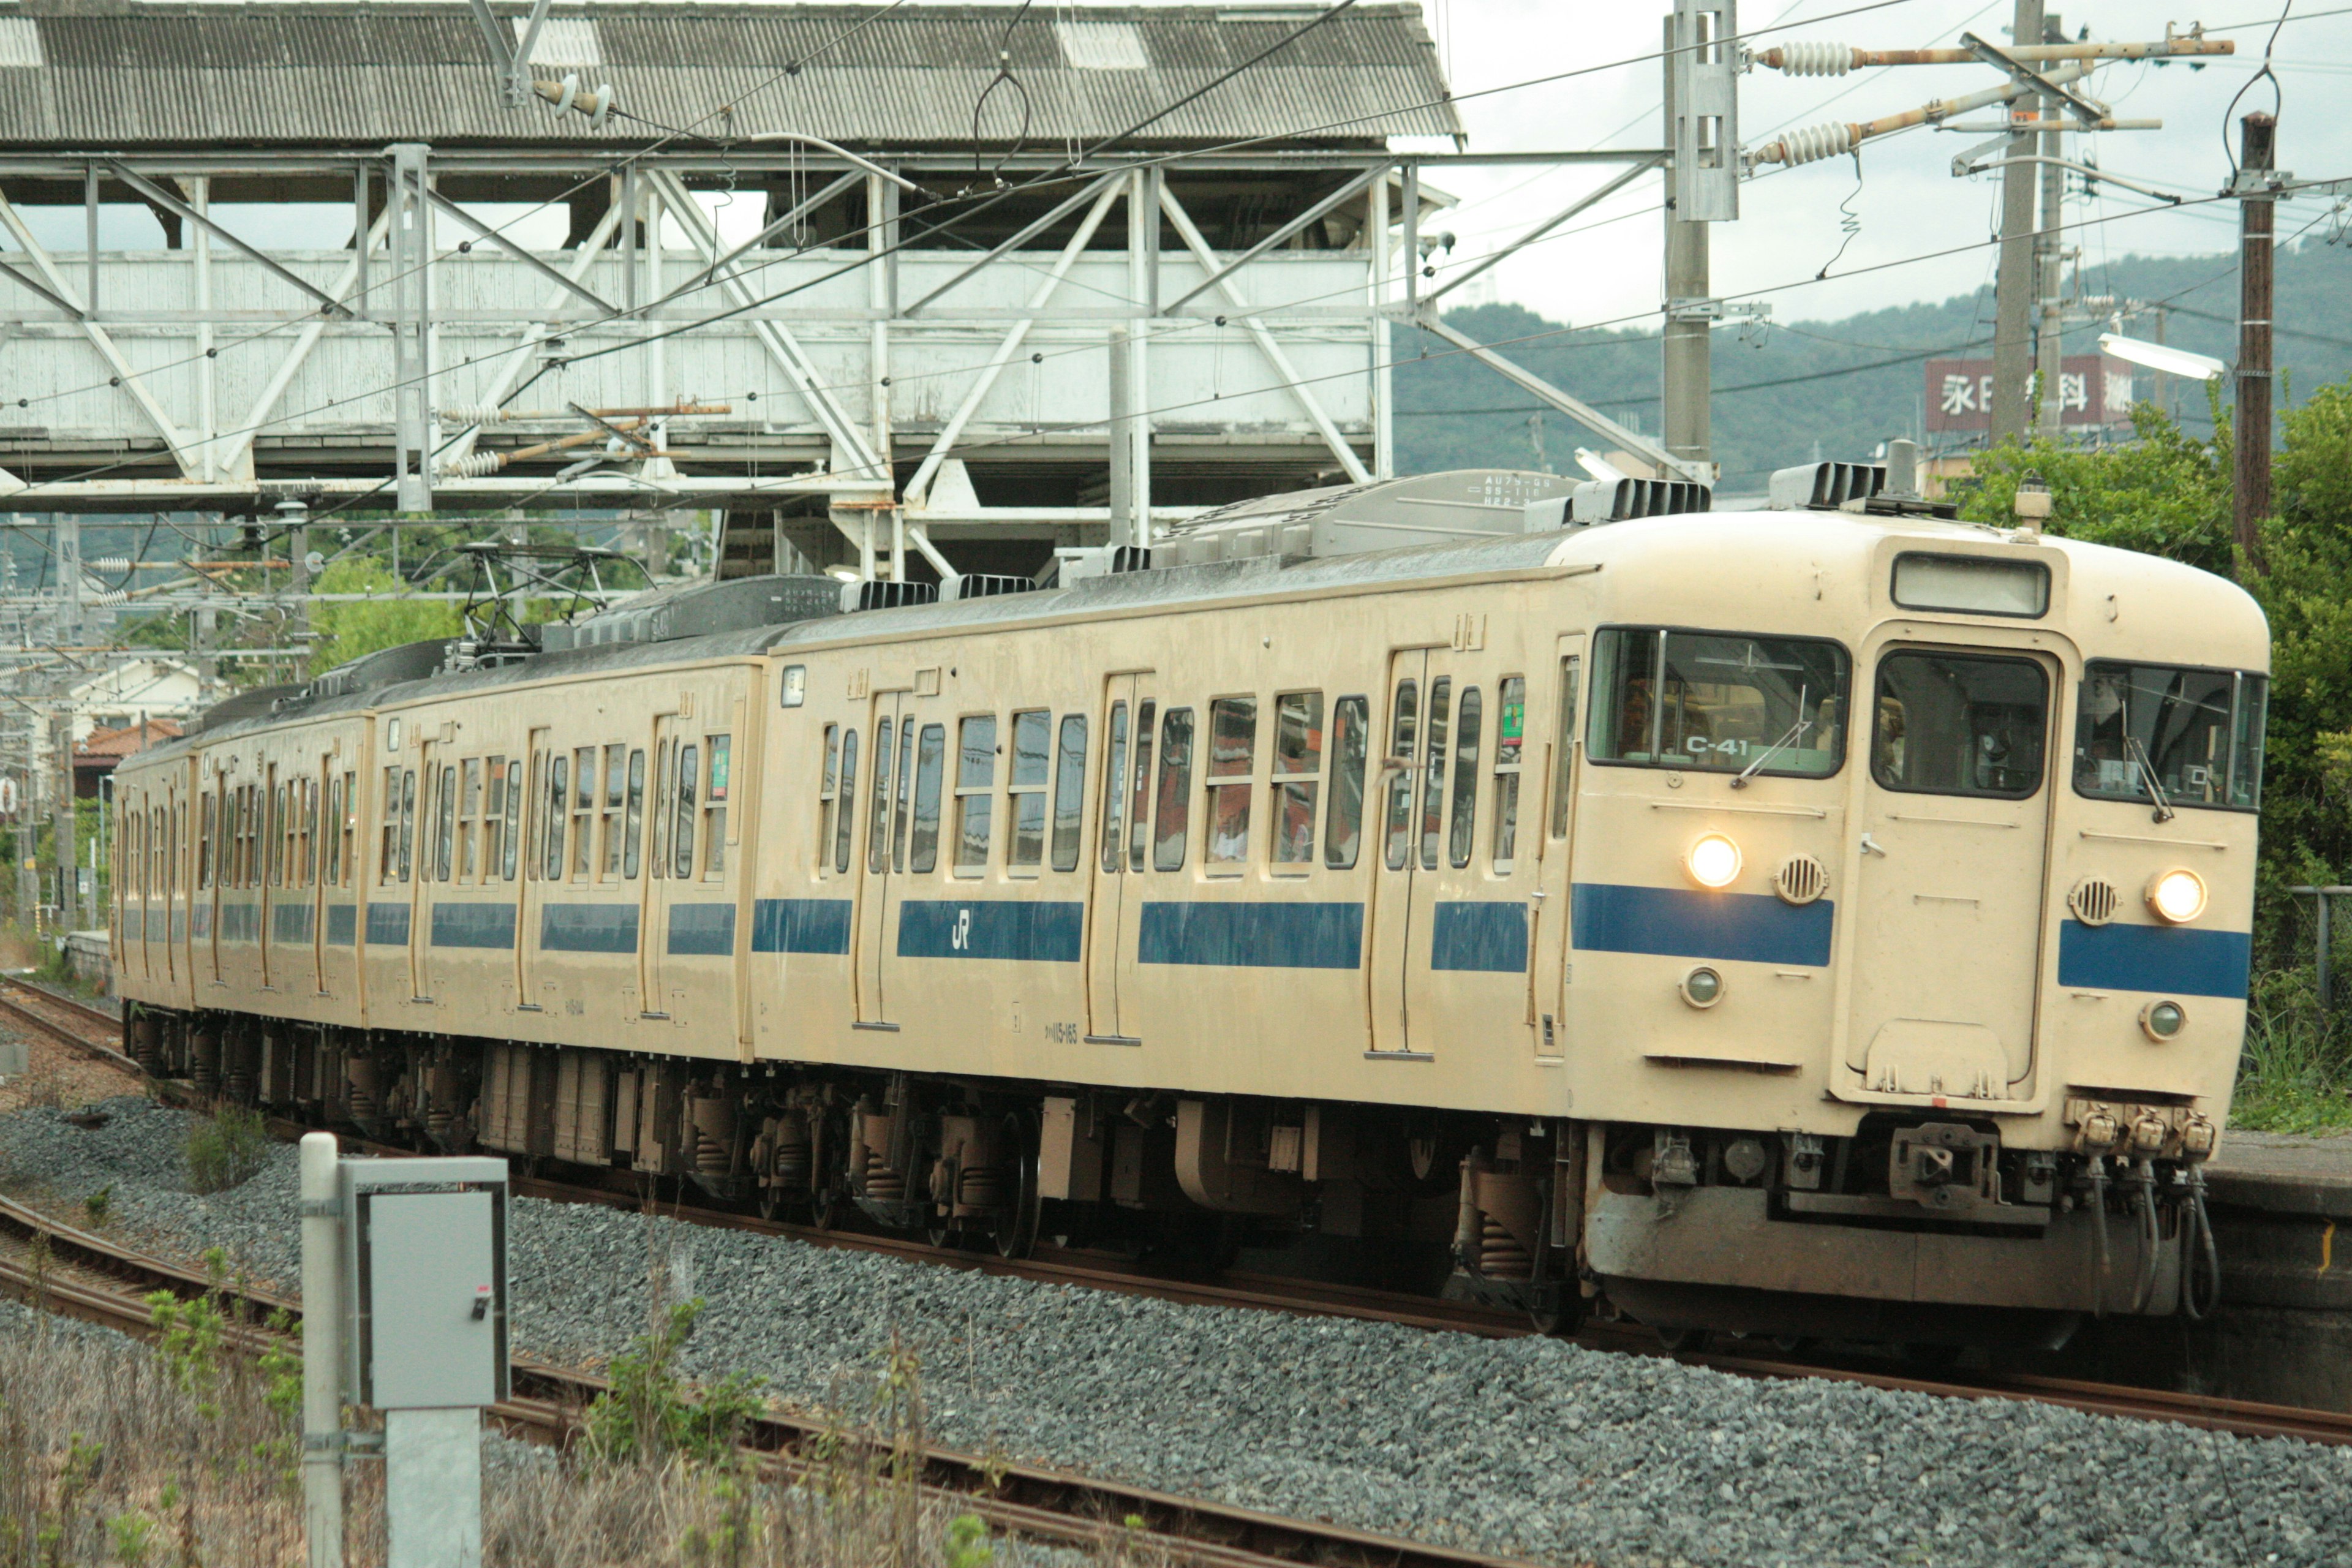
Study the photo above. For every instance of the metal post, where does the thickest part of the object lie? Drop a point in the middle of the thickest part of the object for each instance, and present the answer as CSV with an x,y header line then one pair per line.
x,y
2049,344
411,253
1122,442
433,1487
2256,212
61,819
200,196
2012,337
1701,108
1376,235
2326,981
89,225
28,876
322,1359
1142,272
295,515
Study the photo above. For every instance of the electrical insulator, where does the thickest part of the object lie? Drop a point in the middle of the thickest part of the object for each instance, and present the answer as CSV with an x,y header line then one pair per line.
x,y
1814,58
1814,143
474,466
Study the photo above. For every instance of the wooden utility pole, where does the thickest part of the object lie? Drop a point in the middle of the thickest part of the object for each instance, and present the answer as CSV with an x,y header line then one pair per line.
x,y
2257,156
2015,285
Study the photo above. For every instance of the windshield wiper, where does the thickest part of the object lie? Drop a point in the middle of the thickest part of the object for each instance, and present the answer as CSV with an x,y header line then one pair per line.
x,y
2138,754
1767,755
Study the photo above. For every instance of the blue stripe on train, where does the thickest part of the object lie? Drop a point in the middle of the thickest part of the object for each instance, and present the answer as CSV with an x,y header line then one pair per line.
x,y
292,922
343,922
800,925
588,928
707,930
990,928
1486,936
473,925
1256,936
387,925
1679,922
2177,959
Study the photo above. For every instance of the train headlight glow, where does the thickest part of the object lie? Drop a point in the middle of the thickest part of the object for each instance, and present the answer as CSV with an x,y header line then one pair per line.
x,y
1702,987
2163,1021
1712,861
2176,896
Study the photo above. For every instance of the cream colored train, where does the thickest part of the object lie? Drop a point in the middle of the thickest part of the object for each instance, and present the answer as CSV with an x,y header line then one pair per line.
x,y
1822,919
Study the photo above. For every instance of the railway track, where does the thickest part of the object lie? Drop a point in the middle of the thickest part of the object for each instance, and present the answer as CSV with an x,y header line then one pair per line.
x,y
89,1029
68,1271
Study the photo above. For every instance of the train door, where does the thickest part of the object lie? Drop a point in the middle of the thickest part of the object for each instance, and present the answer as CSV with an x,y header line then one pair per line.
x,y
891,783
1552,790
1129,711
1409,741
212,853
1947,882
266,874
678,766
318,830
174,883
431,850
531,888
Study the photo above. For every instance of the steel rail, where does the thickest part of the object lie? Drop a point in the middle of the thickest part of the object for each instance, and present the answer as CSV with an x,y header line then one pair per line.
x,y
24,1004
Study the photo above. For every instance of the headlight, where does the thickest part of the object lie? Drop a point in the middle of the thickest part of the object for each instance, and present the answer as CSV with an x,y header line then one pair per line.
x,y
2163,1021
2176,896
1702,987
1712,861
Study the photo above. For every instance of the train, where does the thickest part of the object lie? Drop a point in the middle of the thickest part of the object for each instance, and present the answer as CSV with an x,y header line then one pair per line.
x,y
1489,874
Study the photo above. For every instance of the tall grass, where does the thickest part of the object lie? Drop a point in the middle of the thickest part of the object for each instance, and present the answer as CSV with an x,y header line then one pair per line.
x,y
2296,1073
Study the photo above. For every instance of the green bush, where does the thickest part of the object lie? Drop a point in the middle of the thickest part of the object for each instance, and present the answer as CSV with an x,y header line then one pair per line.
x,y
226,1148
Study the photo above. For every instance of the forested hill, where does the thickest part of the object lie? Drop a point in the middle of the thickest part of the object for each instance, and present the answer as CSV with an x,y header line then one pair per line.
x,y
1847,384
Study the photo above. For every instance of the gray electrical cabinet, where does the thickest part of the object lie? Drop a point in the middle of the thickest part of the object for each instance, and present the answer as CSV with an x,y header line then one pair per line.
x,y
424,1276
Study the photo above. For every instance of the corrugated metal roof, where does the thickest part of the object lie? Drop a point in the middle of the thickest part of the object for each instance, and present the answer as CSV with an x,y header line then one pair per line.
x,y
217,75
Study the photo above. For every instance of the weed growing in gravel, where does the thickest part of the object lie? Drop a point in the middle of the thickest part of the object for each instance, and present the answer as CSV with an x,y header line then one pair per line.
x,y
648,1414
99,1207
226,1148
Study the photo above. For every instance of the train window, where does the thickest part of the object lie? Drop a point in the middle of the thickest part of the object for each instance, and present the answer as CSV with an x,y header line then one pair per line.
x,y
877,827
493,801
1960,724
469,813
407,820
1433,772
347,828
2198,731
584,811
1069,791
665,779
311,847
905,796
975,783
1403,732
1138,805
1172,811
1563,759
558,772
392,736
1114,787
281,830
388,854
793,690
828,795
331,847
930,773
843,827
615,788
633,851
513,833
1510,736
441,858
1233,758
1717,702
714,808
1974,585
205,820
1033,762
681,846
1343,821
1462,818
1297,770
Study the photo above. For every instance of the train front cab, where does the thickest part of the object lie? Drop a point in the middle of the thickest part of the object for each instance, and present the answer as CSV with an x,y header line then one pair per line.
x,y
1892,1014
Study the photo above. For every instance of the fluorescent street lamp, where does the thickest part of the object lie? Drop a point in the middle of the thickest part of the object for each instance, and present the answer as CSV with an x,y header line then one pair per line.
x,y
2157,356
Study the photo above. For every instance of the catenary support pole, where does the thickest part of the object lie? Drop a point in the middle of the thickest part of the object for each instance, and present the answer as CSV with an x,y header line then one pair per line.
x,y
1686,371
2050,261
2013,287
2257,153
322,1369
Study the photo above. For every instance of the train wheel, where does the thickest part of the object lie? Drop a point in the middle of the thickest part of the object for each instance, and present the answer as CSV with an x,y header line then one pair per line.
x,y
1016,1223
771,1202
829,1193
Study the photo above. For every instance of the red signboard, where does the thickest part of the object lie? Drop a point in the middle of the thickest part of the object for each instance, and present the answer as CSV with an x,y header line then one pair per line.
x,y
2092,389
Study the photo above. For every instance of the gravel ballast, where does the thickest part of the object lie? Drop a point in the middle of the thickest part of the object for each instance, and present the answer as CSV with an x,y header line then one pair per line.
x,y
1533,1447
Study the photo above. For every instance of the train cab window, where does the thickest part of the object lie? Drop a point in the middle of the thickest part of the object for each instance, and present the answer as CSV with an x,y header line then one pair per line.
x,y
931,777
407,820
512,834
1069,791
877,825
1138,803
681,838
844,822
714,808
1296,779
1033,764
1462,818
2197,732
634,830
1232,757
1717,702
583,811
1172,819
1563,760
1960,724
1114,788
828,795
975,792
1404,730
1510,737
1343,820
493,825
470,817
206,818
904,799
557,805
616,787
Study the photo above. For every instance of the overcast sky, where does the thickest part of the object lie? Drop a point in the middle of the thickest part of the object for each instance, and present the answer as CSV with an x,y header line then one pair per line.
x,y
1908,203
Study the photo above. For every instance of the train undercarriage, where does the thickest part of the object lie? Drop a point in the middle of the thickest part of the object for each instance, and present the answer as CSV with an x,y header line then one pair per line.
x,y
1917,1230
